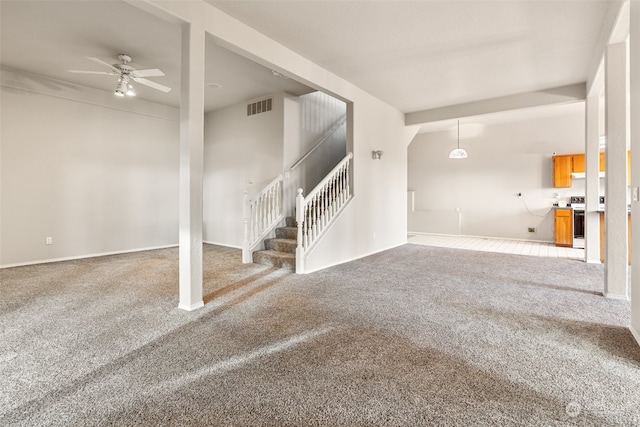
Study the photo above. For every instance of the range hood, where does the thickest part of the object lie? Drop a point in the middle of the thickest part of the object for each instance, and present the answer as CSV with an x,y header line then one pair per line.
x,y
581,175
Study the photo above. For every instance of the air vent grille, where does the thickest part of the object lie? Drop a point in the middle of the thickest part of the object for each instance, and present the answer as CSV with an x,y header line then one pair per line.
x,y
259,107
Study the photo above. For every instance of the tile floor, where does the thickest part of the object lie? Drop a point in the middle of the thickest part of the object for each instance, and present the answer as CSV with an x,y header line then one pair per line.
x,y
497,245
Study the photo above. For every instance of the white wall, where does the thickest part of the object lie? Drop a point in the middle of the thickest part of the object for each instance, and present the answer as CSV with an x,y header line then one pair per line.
x,y
504,159
376,218
240,153
634,40
380,202
320,112
379,206
96,175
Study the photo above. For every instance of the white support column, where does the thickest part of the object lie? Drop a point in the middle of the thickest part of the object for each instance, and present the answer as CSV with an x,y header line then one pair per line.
x,y
191,166
634,58
616,125
592,185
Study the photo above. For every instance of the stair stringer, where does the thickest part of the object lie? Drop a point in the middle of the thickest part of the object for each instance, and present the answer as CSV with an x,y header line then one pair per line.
x,y
333,229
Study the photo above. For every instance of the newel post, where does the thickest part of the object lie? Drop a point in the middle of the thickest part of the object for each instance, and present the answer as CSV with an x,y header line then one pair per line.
x,y
246,251
299,223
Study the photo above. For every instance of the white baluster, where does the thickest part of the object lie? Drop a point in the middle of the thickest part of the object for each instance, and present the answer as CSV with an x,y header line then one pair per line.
x,y
254,220
316,215
309,217
341,189
300,219
347,189
278,195
246,253
334,193
342,181
270,216
261,214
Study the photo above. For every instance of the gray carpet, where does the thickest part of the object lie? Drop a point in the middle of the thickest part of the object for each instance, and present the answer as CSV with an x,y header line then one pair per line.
x,y
413,336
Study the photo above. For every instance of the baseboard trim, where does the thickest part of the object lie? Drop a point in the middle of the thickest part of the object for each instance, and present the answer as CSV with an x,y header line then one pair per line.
x,y
222,244
635,334
354,258
479,237
73,258
191,307
616,297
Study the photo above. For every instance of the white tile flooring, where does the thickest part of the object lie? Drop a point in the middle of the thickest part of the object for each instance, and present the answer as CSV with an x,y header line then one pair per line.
x,y
487,244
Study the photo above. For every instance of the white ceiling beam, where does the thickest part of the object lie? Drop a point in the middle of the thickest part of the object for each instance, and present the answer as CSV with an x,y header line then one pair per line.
x,y
615,29
552,96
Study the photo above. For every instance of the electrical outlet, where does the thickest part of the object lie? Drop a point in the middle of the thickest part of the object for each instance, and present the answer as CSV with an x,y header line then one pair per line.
x,y
531,229
48,241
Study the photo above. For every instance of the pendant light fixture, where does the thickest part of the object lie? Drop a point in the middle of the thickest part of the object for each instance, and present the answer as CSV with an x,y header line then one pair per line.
x,y
458,153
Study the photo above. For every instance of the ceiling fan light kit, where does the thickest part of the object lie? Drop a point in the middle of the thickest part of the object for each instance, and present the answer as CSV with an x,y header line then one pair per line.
x,y
124,87
125,74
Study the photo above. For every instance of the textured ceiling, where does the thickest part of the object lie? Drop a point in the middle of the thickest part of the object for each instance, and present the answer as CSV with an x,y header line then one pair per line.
x,y
419,55
414,55
51,37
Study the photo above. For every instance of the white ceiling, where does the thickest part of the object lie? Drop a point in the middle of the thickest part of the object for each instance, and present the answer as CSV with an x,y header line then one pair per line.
x,y
474,125
418,55
51,37
414,55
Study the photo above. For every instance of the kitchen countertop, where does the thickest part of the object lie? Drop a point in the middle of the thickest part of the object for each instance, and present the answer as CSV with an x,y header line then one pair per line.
x,y
599,210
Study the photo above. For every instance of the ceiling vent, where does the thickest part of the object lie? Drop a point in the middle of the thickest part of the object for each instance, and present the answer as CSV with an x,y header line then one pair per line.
x,y
259,107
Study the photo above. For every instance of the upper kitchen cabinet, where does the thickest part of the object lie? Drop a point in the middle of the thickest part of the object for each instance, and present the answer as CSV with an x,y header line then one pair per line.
x,y
562,168
565,165
603,162
578,163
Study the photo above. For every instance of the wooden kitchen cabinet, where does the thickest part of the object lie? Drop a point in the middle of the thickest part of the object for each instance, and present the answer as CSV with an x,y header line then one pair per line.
x,y
578,163
562,167
603,163
565,164
563,227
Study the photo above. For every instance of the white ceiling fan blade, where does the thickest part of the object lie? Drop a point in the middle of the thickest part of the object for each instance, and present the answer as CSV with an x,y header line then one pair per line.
x,y
152,84
151,72
101,62
90,72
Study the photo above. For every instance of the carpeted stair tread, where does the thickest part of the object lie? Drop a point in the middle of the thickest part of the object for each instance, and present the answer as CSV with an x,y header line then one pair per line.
x,y
287,233
290,221
281,245
276,259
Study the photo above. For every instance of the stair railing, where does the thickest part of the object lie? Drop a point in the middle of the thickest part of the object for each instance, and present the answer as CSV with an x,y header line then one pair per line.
x,y
294,175
260,216
333,129
319,208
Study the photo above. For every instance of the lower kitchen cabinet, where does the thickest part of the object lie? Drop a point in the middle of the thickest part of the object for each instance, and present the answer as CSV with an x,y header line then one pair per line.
x,y
563,227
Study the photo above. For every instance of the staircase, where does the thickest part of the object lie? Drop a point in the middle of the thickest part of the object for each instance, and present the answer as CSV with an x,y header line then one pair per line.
x,y
314,215
280,251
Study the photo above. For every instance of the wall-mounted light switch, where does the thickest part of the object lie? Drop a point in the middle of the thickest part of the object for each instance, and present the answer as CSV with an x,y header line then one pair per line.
x,y
48,241
635,194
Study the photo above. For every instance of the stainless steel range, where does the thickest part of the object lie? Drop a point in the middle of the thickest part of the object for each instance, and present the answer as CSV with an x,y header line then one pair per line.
x,y
578,207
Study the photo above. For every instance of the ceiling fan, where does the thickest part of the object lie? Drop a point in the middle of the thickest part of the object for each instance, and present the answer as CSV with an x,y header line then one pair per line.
x,y
125,74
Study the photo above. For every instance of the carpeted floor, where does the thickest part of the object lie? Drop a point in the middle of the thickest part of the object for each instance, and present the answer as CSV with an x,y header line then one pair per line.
x,y
413,336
